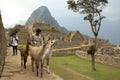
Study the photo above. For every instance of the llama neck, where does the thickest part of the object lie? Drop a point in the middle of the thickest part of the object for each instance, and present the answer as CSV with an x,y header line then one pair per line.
x,y
27,48
42,47
48,50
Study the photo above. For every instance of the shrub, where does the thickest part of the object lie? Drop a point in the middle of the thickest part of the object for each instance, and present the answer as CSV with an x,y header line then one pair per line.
x,y
91,50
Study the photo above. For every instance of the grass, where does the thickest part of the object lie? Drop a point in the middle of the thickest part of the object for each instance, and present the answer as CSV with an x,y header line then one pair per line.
x,y
71,68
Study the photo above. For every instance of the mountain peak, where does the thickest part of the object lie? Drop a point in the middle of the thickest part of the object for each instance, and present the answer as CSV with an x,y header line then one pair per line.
x,y
43,7
42,14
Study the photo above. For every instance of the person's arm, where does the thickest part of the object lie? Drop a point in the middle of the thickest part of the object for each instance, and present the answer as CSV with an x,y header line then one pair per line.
x,y
17,39
11,40
41,39
32,40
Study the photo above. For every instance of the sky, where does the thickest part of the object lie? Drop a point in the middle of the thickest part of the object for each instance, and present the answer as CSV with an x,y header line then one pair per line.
x,y
15,10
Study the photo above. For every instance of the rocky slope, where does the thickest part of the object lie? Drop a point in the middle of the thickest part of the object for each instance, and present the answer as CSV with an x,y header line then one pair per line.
x,y
43,15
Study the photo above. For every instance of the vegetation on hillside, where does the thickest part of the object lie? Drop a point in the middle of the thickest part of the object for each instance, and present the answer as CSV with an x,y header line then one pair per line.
x,y
15,29
45,27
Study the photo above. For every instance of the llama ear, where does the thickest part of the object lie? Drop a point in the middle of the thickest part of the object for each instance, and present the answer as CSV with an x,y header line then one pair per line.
x,y
55,40
43,38
48,38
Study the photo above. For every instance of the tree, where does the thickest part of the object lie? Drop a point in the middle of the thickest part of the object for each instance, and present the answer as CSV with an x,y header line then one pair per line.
x,y
92,49
92,10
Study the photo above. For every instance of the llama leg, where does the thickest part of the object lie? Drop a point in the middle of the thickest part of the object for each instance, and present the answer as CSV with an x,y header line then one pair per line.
x,y
21,61
47,61
32,63
37,67
41,68
25,60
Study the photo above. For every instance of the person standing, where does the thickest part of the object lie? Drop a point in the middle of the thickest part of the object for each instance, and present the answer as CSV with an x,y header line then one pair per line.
x,y
14,43
37,39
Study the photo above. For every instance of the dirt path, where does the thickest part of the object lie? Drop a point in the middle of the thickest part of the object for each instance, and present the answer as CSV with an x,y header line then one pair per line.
x,y
12,70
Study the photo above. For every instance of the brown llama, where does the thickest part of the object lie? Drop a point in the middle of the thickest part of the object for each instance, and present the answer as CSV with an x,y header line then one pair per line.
x,y
24,51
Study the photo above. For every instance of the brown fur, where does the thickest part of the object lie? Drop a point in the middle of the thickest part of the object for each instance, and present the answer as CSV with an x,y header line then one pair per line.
x,y
24,51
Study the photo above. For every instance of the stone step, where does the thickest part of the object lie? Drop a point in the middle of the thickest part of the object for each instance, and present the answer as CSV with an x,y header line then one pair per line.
x,y
9,67
7,61
11,70
6,74
6,67
4,78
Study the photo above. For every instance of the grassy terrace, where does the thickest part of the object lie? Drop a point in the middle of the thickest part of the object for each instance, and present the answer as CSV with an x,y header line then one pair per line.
x,y
75,68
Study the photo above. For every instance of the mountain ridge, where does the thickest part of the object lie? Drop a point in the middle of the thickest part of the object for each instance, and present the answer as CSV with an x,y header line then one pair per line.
x,y
21,22
43,15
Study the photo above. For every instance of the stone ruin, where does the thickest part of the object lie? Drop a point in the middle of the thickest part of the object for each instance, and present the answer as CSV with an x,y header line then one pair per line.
x,y
3,45
109,51
100,42
106,53
73,36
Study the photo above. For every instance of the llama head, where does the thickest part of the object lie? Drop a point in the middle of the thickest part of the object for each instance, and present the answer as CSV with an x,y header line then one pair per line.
x,y
51,42
29,42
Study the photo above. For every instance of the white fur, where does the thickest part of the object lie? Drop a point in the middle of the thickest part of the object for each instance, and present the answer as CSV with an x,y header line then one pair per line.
x,y
38,56
48,53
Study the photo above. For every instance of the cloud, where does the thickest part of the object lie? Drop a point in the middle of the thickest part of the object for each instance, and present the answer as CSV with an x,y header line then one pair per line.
x,y
8,10
112,10
15,10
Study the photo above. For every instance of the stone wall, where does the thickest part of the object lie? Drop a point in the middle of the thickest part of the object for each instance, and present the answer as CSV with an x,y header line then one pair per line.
x,y
64,52
100,42
62,44
3,46
109,51
73,36
110,60
23,36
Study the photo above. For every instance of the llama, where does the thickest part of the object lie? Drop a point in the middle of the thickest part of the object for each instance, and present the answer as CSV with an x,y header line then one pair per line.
x,y
36,54
39,54
24,51
48,53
